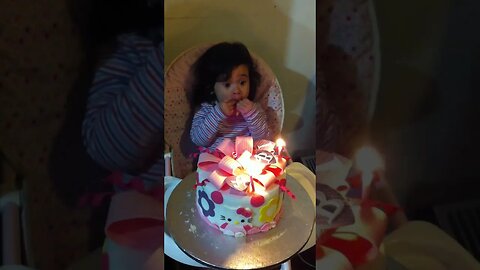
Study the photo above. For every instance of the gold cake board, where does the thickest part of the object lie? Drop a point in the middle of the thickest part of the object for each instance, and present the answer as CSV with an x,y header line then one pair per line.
x,y
211,247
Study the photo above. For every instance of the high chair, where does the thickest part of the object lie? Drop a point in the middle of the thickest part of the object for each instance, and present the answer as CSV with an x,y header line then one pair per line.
x,y
178,109
177,125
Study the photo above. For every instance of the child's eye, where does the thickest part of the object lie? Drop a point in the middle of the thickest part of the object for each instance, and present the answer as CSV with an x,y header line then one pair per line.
x,y
243,82
227,85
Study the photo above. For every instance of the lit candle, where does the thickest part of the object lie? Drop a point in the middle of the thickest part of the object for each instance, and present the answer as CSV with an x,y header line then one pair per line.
x,y
280,144
168,165
368,161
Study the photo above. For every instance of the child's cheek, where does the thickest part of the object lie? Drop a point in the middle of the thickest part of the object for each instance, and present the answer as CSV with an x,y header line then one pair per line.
x,y
221,97
245,92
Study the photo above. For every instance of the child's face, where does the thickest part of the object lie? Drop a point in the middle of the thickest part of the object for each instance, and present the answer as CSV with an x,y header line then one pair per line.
x,y
236,88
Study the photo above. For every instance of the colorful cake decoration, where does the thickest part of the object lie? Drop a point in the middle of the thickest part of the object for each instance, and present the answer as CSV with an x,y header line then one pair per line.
x,y
239,167
240,185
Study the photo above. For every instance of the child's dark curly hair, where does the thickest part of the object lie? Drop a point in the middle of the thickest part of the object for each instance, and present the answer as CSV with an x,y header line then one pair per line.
x,y
216,65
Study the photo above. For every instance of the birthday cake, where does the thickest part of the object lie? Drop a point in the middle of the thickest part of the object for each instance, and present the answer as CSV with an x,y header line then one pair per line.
x,y
240,186
350,226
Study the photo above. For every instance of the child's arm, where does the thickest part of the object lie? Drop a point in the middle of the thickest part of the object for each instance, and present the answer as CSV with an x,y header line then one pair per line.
x,y
123,126
257,122
205,124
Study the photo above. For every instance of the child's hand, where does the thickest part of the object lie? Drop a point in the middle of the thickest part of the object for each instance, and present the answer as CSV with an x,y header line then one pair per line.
x,y
244,106
228,108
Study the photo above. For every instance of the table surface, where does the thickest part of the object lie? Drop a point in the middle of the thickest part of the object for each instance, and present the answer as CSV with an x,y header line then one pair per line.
x,y
210,247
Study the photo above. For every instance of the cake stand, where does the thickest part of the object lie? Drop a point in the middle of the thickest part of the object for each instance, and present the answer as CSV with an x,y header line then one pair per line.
x,y
211,247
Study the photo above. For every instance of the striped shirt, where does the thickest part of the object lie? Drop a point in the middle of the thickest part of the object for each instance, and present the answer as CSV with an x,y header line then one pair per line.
x,y
210,125
123,125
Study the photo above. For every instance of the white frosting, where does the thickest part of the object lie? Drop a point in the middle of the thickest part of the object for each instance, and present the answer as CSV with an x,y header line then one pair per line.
x,y
232,211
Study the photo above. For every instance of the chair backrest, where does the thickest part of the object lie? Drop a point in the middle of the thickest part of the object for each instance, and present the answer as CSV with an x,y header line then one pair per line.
x,y
348,69
178,112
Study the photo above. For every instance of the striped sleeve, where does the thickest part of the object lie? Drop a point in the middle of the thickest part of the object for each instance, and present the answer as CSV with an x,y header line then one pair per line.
x,y
205,124
123,125
257,123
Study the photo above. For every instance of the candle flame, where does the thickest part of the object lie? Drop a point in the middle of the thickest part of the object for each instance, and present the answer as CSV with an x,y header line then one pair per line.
x,y
280,142
368,159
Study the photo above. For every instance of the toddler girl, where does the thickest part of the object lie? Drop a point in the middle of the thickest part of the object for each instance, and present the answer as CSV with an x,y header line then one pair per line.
x,y
225,84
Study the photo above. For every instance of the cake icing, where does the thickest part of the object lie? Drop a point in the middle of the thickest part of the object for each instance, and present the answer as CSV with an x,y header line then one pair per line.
x,y
240,186
332,209
350,228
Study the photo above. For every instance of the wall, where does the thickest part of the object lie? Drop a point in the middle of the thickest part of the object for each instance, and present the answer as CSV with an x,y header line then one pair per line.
x,y
426,106
282,32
